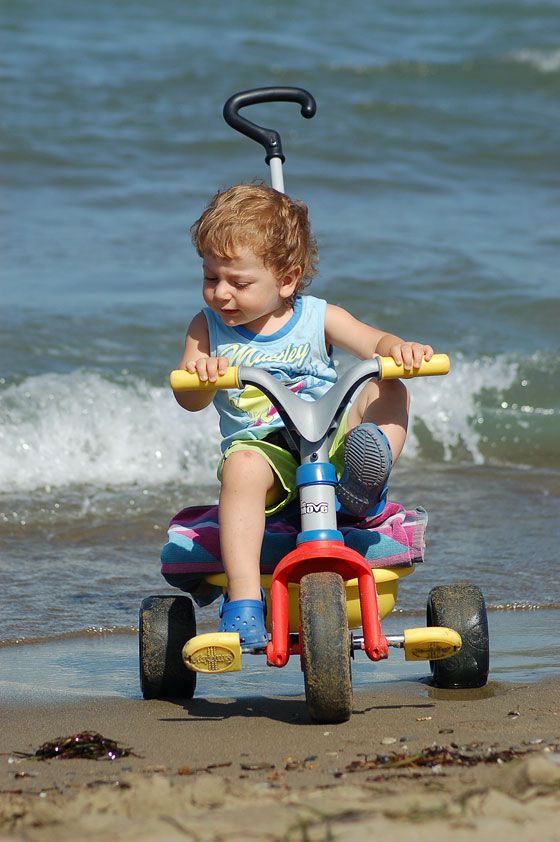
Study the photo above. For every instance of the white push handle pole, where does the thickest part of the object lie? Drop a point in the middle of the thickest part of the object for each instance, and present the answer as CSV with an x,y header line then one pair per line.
x,y
276,174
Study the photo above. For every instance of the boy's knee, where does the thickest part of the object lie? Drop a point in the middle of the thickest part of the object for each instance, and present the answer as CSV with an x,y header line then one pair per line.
x,y
394,389
383,403
247,463
243,457
393,400
386,390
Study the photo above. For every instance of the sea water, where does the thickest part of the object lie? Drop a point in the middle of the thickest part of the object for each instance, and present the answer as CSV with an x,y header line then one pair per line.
x,y
431,175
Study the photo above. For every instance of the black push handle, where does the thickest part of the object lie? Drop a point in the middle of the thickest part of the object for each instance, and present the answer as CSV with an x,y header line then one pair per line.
x,y
269,138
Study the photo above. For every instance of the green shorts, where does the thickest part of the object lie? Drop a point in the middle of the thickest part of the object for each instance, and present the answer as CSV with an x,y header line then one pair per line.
x,y
284,465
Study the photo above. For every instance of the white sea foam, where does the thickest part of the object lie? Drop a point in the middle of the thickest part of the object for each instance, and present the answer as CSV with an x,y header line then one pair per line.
x,y
449,406
547,61
81,428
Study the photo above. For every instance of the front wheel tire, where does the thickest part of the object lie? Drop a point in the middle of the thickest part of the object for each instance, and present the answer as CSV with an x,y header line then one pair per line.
x,y
325,647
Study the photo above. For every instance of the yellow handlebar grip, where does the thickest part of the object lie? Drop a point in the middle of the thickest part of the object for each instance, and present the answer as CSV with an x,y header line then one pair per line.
x,y
184,381
439,364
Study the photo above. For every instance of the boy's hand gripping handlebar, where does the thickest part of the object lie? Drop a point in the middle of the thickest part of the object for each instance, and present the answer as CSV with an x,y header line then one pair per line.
x,y
184,381
390,370
312,420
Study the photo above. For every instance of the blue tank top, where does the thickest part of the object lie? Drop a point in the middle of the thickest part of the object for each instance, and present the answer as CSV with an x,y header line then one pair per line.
x,y
295,354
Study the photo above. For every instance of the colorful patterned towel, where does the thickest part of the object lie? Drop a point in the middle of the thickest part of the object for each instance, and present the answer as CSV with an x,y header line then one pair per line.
x,y
394,538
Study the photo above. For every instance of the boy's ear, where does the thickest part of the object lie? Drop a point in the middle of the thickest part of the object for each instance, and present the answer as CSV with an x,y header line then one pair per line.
x,y
290,281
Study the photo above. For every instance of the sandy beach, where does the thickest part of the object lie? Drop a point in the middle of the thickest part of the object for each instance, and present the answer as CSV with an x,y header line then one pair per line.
x,y
412,760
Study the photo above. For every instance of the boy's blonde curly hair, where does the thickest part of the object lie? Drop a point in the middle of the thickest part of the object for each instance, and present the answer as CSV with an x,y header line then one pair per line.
x,y
259,218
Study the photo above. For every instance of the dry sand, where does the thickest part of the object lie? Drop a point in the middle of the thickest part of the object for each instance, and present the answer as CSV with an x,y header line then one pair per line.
x,y
258,769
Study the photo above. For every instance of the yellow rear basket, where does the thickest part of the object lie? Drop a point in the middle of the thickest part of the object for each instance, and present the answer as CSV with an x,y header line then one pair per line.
x,y
386,583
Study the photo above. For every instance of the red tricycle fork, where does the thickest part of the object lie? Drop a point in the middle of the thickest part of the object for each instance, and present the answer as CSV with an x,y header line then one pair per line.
x,y
318,557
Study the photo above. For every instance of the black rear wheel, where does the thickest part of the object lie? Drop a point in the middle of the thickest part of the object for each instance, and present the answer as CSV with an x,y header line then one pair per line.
x,y
166,623
325,645
461,607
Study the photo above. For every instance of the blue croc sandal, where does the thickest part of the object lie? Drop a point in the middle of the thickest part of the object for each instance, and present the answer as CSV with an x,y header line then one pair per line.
x,y
368,460
246,618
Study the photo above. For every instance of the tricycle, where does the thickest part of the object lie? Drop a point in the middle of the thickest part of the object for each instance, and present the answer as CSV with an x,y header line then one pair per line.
x,y
322,589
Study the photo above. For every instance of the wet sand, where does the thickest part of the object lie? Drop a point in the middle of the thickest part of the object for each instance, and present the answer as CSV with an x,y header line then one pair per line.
x,y
257,768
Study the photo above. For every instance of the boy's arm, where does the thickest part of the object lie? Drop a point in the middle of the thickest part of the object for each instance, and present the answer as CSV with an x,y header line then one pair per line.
x,y
363,341
196,357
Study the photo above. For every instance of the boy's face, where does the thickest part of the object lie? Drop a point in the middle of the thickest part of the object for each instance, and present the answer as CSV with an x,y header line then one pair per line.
x,y
243,291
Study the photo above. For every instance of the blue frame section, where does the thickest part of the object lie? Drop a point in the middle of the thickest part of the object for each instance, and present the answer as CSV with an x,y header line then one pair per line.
x,y
320,535
316,473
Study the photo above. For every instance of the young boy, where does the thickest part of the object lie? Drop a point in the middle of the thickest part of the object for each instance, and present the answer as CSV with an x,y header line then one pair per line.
x,y
258,254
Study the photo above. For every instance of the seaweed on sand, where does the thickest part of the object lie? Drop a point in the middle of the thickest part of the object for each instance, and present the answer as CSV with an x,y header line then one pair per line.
x,y
87,744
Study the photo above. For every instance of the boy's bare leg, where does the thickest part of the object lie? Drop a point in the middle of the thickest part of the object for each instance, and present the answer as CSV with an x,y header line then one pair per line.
x,y
385,404
248,483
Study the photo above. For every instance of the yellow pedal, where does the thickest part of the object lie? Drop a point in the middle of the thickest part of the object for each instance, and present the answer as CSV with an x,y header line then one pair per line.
x,y
214,652
431,643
